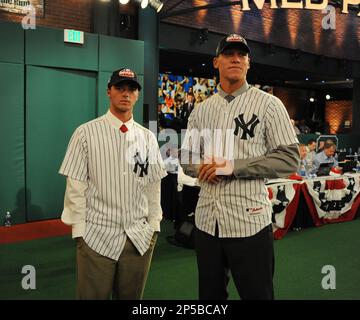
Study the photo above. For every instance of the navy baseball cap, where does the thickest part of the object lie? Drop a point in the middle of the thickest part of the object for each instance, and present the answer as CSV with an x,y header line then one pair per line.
x,y
124,75
232,41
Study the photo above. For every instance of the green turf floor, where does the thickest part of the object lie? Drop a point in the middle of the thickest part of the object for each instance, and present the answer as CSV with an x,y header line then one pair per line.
x,y
300,257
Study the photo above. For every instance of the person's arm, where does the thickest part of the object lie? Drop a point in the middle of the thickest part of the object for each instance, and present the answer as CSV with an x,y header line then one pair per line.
x,y
184,179
316,163
191,148
278,163
336,163
191,167
156,172
152,193
75,206
282,159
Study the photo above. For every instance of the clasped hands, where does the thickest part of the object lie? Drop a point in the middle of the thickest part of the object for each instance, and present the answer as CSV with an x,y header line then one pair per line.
x,y
214,169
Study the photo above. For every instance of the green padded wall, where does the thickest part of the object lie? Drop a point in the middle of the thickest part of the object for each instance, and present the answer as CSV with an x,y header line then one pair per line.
x,y
57,101
116,53
103,100
46,47
12,42
12,165
65,86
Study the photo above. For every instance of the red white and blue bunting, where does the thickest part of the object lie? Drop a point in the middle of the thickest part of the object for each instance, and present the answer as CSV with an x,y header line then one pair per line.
x,y
332,196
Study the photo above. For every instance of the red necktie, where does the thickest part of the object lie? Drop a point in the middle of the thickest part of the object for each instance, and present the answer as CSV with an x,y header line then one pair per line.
x,y
123,128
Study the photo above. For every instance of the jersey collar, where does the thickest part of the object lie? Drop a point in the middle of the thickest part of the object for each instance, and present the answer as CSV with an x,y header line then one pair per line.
x,y
117,123
236,93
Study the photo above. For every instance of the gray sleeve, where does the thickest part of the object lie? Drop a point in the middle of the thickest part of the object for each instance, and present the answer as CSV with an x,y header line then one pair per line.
x,y
190,169
279,163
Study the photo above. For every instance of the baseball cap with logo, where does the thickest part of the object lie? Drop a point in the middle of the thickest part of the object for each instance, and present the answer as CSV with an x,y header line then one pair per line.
x,y
124,75
232,41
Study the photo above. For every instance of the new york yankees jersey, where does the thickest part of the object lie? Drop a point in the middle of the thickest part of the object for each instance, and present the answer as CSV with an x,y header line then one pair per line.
x,y
250,124
117,167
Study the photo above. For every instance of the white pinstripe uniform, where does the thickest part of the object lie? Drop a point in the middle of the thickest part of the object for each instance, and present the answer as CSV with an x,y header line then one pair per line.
x,y
116,206
241,207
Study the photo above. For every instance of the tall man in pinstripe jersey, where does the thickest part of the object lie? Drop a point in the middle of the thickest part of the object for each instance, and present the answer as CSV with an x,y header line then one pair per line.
x,y
112,200
234,140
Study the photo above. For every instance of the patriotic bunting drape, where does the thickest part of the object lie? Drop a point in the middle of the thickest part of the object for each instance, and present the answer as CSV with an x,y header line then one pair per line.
x,y
332,199
285,200
329,199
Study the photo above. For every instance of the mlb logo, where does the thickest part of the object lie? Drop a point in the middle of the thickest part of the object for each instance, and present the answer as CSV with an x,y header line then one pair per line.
x,y
126,73
234,38
256,210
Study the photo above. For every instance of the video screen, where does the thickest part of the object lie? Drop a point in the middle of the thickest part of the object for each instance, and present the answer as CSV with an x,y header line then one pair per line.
x,y
178,96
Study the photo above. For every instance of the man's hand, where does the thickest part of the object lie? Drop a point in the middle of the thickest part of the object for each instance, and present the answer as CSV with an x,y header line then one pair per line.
x,y
214,169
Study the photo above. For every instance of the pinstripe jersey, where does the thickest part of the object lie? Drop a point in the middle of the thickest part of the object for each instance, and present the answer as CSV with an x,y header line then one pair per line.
x,y
117,166
251,125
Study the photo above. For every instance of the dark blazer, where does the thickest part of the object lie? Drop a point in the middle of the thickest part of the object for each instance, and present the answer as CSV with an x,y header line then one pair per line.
x,y
186,110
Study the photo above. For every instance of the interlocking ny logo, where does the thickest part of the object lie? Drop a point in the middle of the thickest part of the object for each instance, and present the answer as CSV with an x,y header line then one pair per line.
x,y
143,165
248,128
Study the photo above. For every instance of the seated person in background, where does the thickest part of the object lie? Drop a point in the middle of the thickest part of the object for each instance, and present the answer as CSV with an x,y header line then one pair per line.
x,y
311,151
325,156
322,144
303,161
297,131
169,102
321,147
303,127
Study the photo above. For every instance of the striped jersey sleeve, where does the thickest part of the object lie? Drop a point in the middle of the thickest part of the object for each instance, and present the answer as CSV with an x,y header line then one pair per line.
x,y
75,163
279,130
193,143
157,169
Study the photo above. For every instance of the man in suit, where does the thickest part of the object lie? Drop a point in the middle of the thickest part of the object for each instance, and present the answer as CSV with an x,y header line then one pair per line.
x,y
186,109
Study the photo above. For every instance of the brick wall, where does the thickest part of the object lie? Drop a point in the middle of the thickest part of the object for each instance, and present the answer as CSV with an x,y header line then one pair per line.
x,y
289,28
336,113
69,14
294,101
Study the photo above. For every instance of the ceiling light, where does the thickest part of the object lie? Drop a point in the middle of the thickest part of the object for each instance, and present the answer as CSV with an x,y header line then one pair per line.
x,y
124,1
327,97
142,3
156,4
312,99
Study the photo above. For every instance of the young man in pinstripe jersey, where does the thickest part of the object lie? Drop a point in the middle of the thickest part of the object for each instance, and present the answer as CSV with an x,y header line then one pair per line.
x,y
235,140
112,200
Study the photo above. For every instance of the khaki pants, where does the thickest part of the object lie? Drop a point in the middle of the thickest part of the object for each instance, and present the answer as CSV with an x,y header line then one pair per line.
x,y
99,277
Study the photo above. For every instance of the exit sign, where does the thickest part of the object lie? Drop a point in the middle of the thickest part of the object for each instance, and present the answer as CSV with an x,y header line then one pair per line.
x,y
73,36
